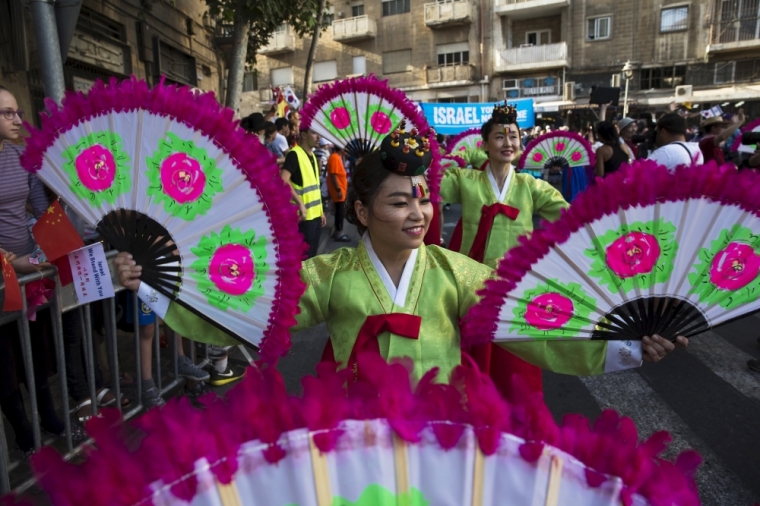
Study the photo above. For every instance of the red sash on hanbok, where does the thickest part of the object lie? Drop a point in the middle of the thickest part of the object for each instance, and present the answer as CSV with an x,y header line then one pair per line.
x,y
494,360
401,324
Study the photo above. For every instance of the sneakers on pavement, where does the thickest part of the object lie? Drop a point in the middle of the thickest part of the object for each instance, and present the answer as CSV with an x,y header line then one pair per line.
x,y
152,398
188,370
232,373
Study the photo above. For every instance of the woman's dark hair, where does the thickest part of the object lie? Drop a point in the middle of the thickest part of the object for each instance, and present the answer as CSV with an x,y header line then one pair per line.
x,y
270,128
486,129
365,182
606,131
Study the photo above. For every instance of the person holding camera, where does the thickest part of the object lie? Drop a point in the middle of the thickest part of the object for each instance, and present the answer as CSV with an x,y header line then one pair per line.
x,y
716,132
672,149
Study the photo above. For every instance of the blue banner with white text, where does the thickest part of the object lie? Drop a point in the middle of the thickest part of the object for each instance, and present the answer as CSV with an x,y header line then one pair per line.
x,y
450,119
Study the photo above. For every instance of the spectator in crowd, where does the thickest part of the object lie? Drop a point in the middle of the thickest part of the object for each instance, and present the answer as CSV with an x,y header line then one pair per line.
x,y
18,190
281,139
256,124
716,130
628,128
270,137
753,162
301,172
337,185
672,149
612,153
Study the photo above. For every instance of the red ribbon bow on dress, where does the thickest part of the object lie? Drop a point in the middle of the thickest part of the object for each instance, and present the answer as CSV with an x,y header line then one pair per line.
x,y
404,325
487,215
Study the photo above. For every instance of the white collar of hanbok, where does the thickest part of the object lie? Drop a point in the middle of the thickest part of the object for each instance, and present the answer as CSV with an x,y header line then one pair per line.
x,y
397,294
500,195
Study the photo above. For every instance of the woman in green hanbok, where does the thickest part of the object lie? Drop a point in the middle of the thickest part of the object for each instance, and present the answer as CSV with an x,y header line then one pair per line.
x,y
394,295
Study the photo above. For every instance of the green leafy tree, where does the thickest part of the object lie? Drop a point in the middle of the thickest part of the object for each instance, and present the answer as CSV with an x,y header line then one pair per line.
x,y
252,23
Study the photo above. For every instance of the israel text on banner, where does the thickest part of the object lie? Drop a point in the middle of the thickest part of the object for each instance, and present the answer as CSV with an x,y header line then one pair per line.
x,y
450,119
92,278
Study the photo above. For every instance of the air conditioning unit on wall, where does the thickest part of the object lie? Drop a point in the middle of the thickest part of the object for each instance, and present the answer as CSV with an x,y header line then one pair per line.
x,y
684,91
569,91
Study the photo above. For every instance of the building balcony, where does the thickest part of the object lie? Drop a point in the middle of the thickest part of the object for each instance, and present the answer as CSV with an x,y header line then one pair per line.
x,y
444,14
459,74
545,56
518,9
354,29
279,43
732,36
223,34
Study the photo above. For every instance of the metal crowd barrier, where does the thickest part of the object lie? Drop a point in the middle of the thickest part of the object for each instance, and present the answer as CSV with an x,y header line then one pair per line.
x,y
63,301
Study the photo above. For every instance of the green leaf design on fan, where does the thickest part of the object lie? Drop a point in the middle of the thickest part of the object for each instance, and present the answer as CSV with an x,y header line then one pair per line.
x,y
552,310
377,495
231,268
727,272
340,119
98,168
183,177
640,254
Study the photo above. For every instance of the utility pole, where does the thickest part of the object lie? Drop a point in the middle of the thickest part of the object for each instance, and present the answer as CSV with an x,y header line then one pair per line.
x,y
48,47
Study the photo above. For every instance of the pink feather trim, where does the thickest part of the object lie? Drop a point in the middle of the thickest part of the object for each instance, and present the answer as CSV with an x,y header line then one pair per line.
x,y
641,184
461,163
746,128
408,109
258,409
203,113
558,134
458,137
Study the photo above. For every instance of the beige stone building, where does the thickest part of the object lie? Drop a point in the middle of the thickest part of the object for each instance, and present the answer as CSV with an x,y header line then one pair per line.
x,y
113,38
554,51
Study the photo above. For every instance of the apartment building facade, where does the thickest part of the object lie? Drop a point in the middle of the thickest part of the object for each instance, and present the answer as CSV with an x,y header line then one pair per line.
x,y
554,51
113,38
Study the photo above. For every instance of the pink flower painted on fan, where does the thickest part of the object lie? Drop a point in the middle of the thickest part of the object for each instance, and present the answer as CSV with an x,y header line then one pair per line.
x,y
734,267
96,168
182,177
560,147
538,157
380,122
479,143
633,253
462,148
549,311
231,269
576,156
340,118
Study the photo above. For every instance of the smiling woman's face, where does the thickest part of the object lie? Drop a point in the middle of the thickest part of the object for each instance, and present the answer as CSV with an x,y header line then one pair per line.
x,y
397,219
503,146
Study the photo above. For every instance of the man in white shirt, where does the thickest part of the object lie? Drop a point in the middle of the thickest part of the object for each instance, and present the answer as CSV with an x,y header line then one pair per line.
x,y
281,139
673,150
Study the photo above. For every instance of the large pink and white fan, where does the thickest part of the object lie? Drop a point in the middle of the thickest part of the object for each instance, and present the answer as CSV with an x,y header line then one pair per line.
x,y
357,113
558,148
383,441
469,139
165,174
642,252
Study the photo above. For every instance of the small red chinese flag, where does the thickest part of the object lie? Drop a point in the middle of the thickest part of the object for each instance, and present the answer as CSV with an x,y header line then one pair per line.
x,y
55,233
64,270
13,300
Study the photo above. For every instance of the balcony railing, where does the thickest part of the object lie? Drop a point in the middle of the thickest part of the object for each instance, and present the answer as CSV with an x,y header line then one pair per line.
x,y
532,57
455,73
280,42
735,35
440,14
529,8
353,29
